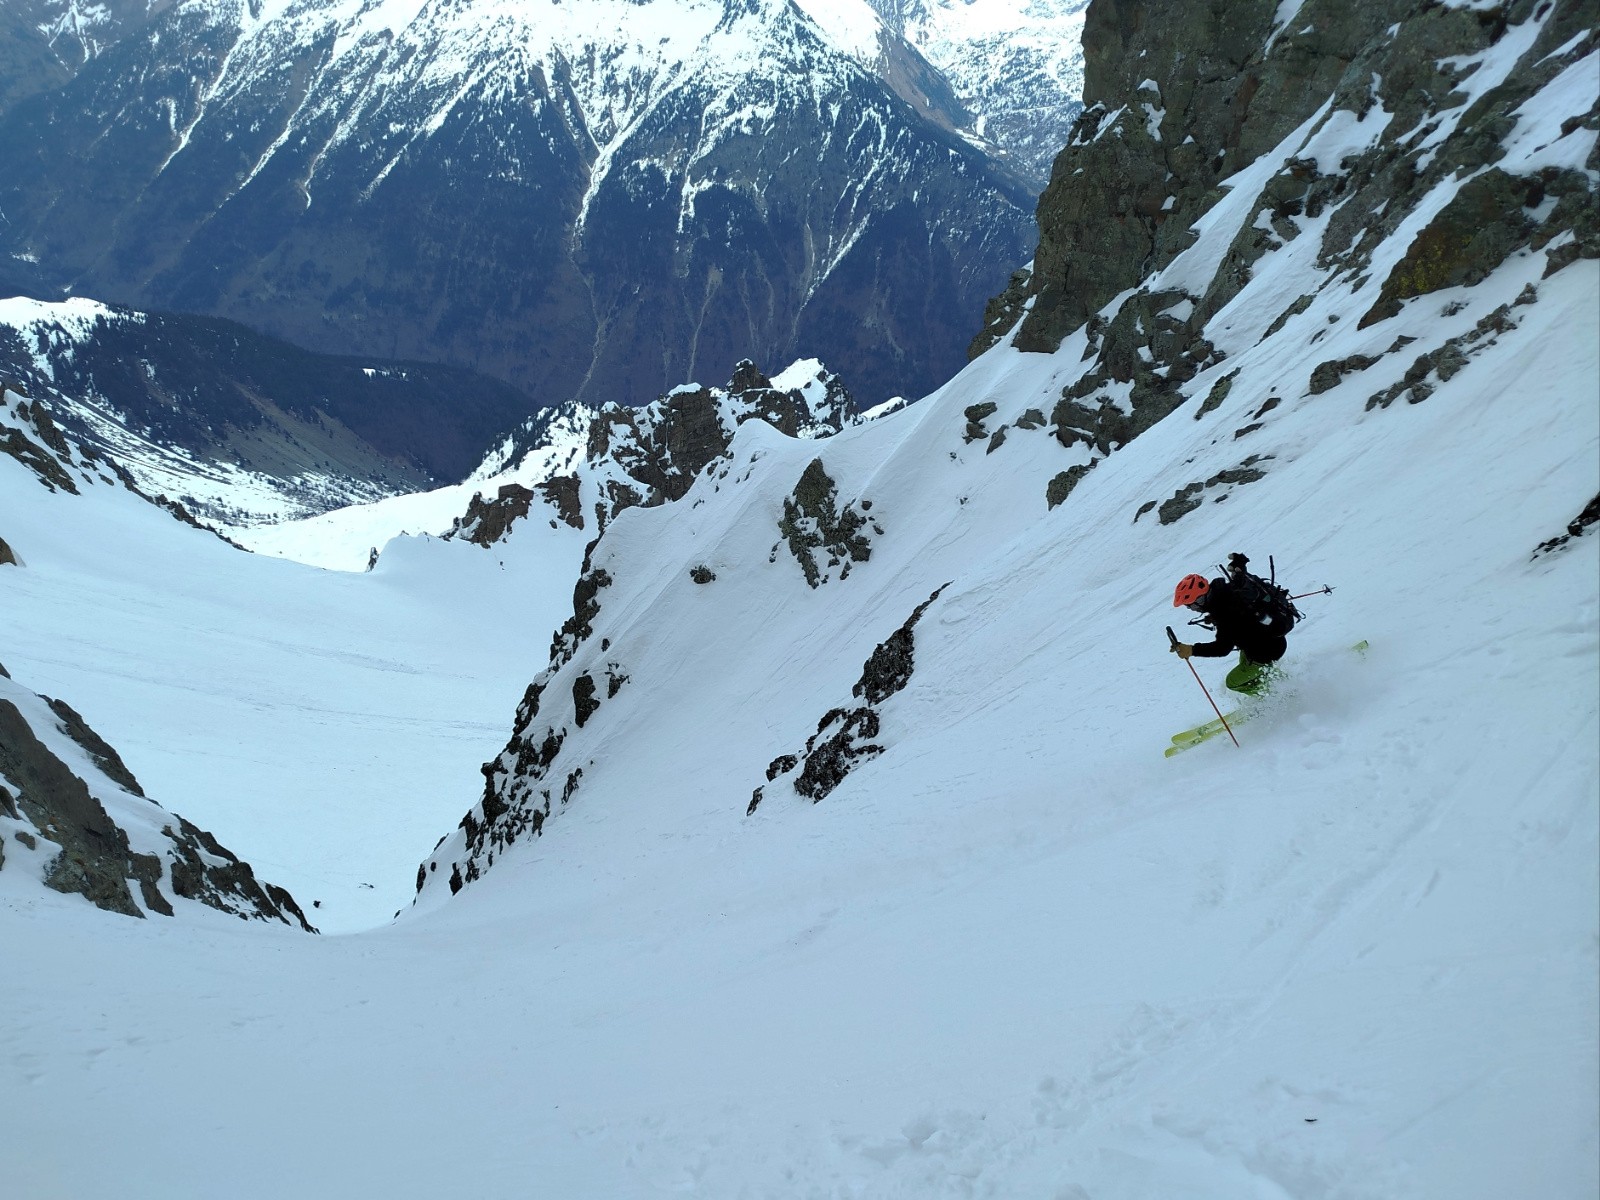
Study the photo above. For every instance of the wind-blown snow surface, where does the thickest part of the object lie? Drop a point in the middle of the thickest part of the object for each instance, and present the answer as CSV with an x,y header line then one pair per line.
x,y
1019,954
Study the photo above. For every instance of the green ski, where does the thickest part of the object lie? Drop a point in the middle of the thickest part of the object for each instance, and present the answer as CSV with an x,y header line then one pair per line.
x,y
1191,738
1207,730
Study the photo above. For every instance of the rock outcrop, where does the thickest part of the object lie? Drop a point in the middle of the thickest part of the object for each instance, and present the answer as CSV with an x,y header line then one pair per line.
x,y
848,737
822,534
1576,528
32,438
637,458
630,457
1363,114
86,827
487,521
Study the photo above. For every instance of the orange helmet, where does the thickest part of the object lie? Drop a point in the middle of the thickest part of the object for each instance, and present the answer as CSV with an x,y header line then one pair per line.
x,y
1190,588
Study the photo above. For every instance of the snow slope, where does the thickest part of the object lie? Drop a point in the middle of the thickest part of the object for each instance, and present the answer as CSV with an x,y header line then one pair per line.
x,y
1017,953
351,710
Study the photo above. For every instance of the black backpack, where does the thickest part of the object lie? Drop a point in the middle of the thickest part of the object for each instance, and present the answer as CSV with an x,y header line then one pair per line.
x,y
1264,599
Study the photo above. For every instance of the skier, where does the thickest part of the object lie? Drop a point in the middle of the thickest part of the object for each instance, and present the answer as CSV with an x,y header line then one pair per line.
x,y
1248,614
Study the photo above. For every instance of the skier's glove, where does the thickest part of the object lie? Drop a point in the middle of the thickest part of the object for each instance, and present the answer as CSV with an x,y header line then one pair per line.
x,y
1182,649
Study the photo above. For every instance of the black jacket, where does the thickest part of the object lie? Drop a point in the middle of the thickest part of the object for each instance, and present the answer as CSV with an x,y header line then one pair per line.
x,y
1237,627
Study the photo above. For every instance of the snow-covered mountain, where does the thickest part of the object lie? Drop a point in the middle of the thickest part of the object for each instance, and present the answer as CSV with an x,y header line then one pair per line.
x,y
1015,65
80,824
653,454
62,458
832,851
595,200
43,42
241,428
77,30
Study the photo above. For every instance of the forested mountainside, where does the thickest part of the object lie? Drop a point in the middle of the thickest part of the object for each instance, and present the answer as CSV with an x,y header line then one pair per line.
x,y
240,427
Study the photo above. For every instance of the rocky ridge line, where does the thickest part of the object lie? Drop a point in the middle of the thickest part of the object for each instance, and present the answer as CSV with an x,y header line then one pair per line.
x,y
642,457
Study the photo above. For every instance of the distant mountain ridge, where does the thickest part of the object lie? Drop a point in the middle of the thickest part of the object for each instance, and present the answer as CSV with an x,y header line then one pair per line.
x,y
240,426
1016,66
594,200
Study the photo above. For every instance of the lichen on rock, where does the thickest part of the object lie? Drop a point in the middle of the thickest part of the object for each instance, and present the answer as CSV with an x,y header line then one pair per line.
x,y
1481,226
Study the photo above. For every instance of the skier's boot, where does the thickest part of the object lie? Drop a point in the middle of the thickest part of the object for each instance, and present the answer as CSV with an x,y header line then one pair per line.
x,y
1252,678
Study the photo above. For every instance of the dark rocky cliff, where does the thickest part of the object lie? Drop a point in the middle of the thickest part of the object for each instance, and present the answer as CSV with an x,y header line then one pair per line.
x,y
1181,98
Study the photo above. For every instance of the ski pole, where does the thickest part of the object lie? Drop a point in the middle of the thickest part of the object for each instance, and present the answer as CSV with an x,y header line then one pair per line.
x,y
1324,590
1174,639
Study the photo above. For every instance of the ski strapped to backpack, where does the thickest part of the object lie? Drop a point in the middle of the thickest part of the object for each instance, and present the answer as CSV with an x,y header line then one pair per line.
x,y
1267,600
